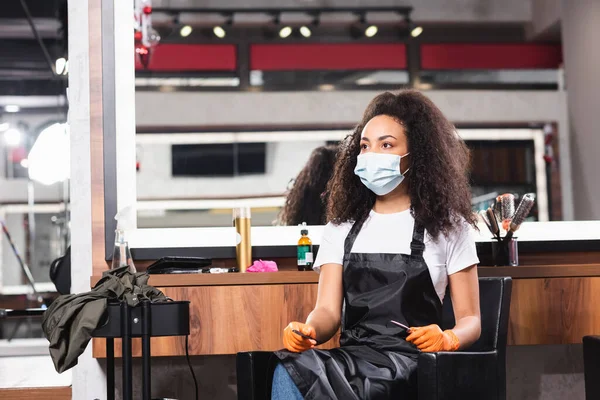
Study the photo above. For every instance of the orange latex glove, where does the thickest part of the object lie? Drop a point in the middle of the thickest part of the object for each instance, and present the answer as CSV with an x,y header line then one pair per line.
x,y
430,339
296,343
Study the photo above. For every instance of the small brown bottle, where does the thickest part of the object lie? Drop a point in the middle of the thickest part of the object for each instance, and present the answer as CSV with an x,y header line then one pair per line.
x,y
305,253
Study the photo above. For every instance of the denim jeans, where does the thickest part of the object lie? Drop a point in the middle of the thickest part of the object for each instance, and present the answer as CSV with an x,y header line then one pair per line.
x,y
284,387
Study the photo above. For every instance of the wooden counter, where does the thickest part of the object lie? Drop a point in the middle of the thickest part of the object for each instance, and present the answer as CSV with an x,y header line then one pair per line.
x,y
551,304
292,277
226,319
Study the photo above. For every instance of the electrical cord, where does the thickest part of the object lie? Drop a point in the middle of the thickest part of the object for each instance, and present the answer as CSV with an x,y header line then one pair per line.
x,y
187,356
37,36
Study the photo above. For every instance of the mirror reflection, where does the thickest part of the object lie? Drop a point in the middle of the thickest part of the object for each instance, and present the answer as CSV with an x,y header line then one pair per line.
x,y
195,179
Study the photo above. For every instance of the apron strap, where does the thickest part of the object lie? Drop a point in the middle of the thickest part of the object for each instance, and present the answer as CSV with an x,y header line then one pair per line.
x,y
352,235
417,246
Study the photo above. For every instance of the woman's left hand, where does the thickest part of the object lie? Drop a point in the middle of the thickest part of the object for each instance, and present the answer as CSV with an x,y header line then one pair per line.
x,y
431,338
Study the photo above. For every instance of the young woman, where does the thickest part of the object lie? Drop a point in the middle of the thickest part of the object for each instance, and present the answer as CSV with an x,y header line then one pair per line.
x,y
399,233
305,201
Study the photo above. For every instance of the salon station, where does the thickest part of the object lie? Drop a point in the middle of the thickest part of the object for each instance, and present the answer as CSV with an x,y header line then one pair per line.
x,y
290,199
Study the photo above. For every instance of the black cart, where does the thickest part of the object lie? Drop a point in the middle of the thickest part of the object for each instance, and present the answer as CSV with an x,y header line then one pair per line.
x,y
146,320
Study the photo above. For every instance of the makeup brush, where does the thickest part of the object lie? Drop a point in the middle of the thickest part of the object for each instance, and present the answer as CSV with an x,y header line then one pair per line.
x,y
521,213
508,210
400,325
493,223
484,217
302,335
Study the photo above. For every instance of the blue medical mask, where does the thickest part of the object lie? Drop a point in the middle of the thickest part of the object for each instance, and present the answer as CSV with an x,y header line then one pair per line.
x,y
380,172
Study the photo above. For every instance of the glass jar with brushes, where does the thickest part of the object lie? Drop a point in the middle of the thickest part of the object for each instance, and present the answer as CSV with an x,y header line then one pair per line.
x,y
503,220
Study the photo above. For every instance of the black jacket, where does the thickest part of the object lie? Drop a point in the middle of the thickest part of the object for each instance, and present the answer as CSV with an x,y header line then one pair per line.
x,y
71,319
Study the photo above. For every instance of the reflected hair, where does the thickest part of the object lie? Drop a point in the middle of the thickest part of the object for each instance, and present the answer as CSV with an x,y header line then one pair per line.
x,y
438,180
306,200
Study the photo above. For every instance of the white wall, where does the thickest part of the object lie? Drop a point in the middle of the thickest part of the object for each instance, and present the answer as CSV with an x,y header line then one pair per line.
x,y
284,161
205,109
545,15
89,381
581,30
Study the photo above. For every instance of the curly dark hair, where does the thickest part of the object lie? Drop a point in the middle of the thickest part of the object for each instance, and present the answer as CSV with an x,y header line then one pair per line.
x,y
438,182
306,201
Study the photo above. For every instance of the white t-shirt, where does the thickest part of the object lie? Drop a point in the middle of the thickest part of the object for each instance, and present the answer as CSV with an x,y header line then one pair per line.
x,y
392,233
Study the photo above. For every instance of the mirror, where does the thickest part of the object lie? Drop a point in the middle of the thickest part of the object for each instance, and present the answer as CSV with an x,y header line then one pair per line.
x,y
194,179
209,138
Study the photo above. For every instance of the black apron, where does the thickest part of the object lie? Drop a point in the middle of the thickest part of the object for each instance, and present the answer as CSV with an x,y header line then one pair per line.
x,y
374,360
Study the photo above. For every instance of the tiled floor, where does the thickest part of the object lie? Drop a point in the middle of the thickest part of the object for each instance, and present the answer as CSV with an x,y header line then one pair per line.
x,y
545,372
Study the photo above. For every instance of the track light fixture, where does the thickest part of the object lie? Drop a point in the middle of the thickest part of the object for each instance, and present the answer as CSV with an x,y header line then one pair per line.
x,y
371,31
305,30
220,31
185,31
411,29
416,31
285,32
277,29
362,28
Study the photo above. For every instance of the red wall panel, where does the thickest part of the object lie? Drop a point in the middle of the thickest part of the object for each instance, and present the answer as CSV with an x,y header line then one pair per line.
x,y
352,56
192,57
330,56
490,56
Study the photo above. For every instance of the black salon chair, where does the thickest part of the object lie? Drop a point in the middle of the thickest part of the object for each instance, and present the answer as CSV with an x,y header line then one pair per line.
x,y
479,373
591,366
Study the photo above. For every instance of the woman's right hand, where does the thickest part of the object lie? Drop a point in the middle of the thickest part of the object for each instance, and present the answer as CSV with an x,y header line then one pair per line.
x,y
296,343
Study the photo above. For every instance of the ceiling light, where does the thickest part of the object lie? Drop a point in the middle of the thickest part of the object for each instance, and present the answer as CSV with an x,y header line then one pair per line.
x,y
185,31
219,32
361,28
371,31
4,126
12,108
416,31
49,158
285,32
60,66
12,137
305,31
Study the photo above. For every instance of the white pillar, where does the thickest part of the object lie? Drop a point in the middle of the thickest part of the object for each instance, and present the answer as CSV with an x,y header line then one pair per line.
x,y
89,381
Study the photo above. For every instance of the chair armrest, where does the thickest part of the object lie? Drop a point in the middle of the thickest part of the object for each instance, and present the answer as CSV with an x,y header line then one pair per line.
x,y
255,374
456,375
